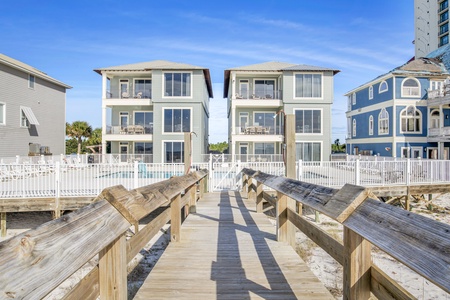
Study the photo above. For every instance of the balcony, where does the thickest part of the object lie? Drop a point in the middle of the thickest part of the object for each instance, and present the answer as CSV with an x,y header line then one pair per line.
x,y
439,96
439,134
130,132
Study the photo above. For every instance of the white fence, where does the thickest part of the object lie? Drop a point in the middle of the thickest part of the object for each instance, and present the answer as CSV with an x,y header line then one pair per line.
x,y
68,179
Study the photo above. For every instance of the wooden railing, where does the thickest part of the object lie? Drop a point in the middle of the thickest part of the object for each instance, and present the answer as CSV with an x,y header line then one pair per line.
x,y
418,242
36,262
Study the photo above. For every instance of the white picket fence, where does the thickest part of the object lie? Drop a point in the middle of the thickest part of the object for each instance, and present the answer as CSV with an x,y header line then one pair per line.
x,y
69,178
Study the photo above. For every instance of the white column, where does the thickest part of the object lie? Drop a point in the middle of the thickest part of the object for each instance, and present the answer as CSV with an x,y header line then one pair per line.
x,y
233,85
441,118
103,129
104,84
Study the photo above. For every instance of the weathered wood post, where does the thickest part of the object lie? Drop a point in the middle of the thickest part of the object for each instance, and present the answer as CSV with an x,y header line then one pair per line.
x,y
244,182
187,152
357,263
250,191
192,199
259,197
3,224
113,270
282,218
201,186
290,173
175,218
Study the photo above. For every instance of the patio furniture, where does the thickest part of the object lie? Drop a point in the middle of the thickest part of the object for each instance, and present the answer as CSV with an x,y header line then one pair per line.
x,y
139,129
267,130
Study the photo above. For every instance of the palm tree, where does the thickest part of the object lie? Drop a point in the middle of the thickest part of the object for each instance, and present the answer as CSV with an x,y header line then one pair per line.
x,y
95,138
78,130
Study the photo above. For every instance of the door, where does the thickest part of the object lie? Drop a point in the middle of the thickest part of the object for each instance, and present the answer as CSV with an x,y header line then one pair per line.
x,y
416,152
243,89
123,152
243,151
432,153
243,121
405,152
123,121
124,89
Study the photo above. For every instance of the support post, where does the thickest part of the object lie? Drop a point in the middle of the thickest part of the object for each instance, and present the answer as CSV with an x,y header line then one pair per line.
x,y
200,187
290,172
249,186
57,210
187,152
282,220
192,199
3,224
259,197
251,192
175,218
357,172
357,263
113,270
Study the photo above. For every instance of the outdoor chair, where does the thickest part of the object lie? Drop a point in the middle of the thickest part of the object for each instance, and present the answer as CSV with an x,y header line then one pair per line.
x,y
139,129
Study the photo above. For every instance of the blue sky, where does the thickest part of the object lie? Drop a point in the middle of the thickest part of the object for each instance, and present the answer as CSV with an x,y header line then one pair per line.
x,y
68,39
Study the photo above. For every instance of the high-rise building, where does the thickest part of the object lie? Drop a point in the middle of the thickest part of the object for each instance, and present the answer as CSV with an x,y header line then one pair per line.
x,y
430,25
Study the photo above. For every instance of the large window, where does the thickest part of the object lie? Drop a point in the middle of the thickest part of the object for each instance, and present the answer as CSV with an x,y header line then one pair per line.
x,y
308,121
410,87
265,88
31,80
177,120
411,120
264,148
265,119
145,119
443,40
143,148
177,84
308,85
308,151
2,113
143,88
173,152
371,125
354,128
383,122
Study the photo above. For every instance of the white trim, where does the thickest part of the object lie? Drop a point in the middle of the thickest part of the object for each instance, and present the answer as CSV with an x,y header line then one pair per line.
x,y
127,81
379,87
371,125
388,139
120,117
309,98
418,88
373,82
173,72
353,98
371,92
29,115
321,147
191,121
370,108
379,121
265,79
4,113
354,127
310,133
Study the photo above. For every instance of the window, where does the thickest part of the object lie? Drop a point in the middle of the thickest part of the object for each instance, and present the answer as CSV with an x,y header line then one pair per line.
x,y
145,119
177,120
264,148
124,88
370,92
354,98
143,88
383,122
173,152
349,127
443,5
371,125
354,127
265,88
383,87
23,119
410,88
443,17
435,119
308,85
177,84
2,113
31,80
443,28
443,40
143,148
308,121
243,89
411,120
265,119
308,151
123,115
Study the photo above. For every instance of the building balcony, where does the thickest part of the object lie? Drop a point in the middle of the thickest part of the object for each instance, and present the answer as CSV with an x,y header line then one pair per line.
x,y
439,96
117,98
257,133
130,132
438,134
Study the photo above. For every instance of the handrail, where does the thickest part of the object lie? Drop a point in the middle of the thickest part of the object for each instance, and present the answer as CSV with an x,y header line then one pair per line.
x,y
98,228
418,242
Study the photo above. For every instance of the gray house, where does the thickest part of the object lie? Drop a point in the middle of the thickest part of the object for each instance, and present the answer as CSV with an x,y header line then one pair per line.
x,y
32,110
147,107
258,96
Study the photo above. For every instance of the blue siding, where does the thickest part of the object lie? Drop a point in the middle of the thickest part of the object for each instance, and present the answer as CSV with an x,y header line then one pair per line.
x,y
362,96
446,117
378,149
362,124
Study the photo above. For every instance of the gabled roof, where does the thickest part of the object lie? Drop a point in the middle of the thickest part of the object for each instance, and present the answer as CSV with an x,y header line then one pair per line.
x,y
159,65
271,66
422,66
13,63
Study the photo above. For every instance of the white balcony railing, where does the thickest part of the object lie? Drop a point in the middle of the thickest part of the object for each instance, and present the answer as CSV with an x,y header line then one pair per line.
x,y
258,130
439,93
130,129
442,131
268,95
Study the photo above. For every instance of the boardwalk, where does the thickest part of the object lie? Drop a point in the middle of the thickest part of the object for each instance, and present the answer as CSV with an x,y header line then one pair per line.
x,y
228,251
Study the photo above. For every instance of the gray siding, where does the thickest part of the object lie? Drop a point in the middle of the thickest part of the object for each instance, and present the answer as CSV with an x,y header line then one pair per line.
x,y
47,100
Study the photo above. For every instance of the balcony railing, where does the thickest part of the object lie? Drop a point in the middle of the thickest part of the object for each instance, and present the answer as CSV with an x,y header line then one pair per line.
x,y
268,95
439,93
116,94
435,132
259,130
130,129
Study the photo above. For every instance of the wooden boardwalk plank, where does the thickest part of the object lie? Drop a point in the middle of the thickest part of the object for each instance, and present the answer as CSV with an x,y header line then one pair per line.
x,y
228,251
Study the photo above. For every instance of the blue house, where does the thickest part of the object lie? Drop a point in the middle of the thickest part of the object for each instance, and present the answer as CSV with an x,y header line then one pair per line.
x,y
403,113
